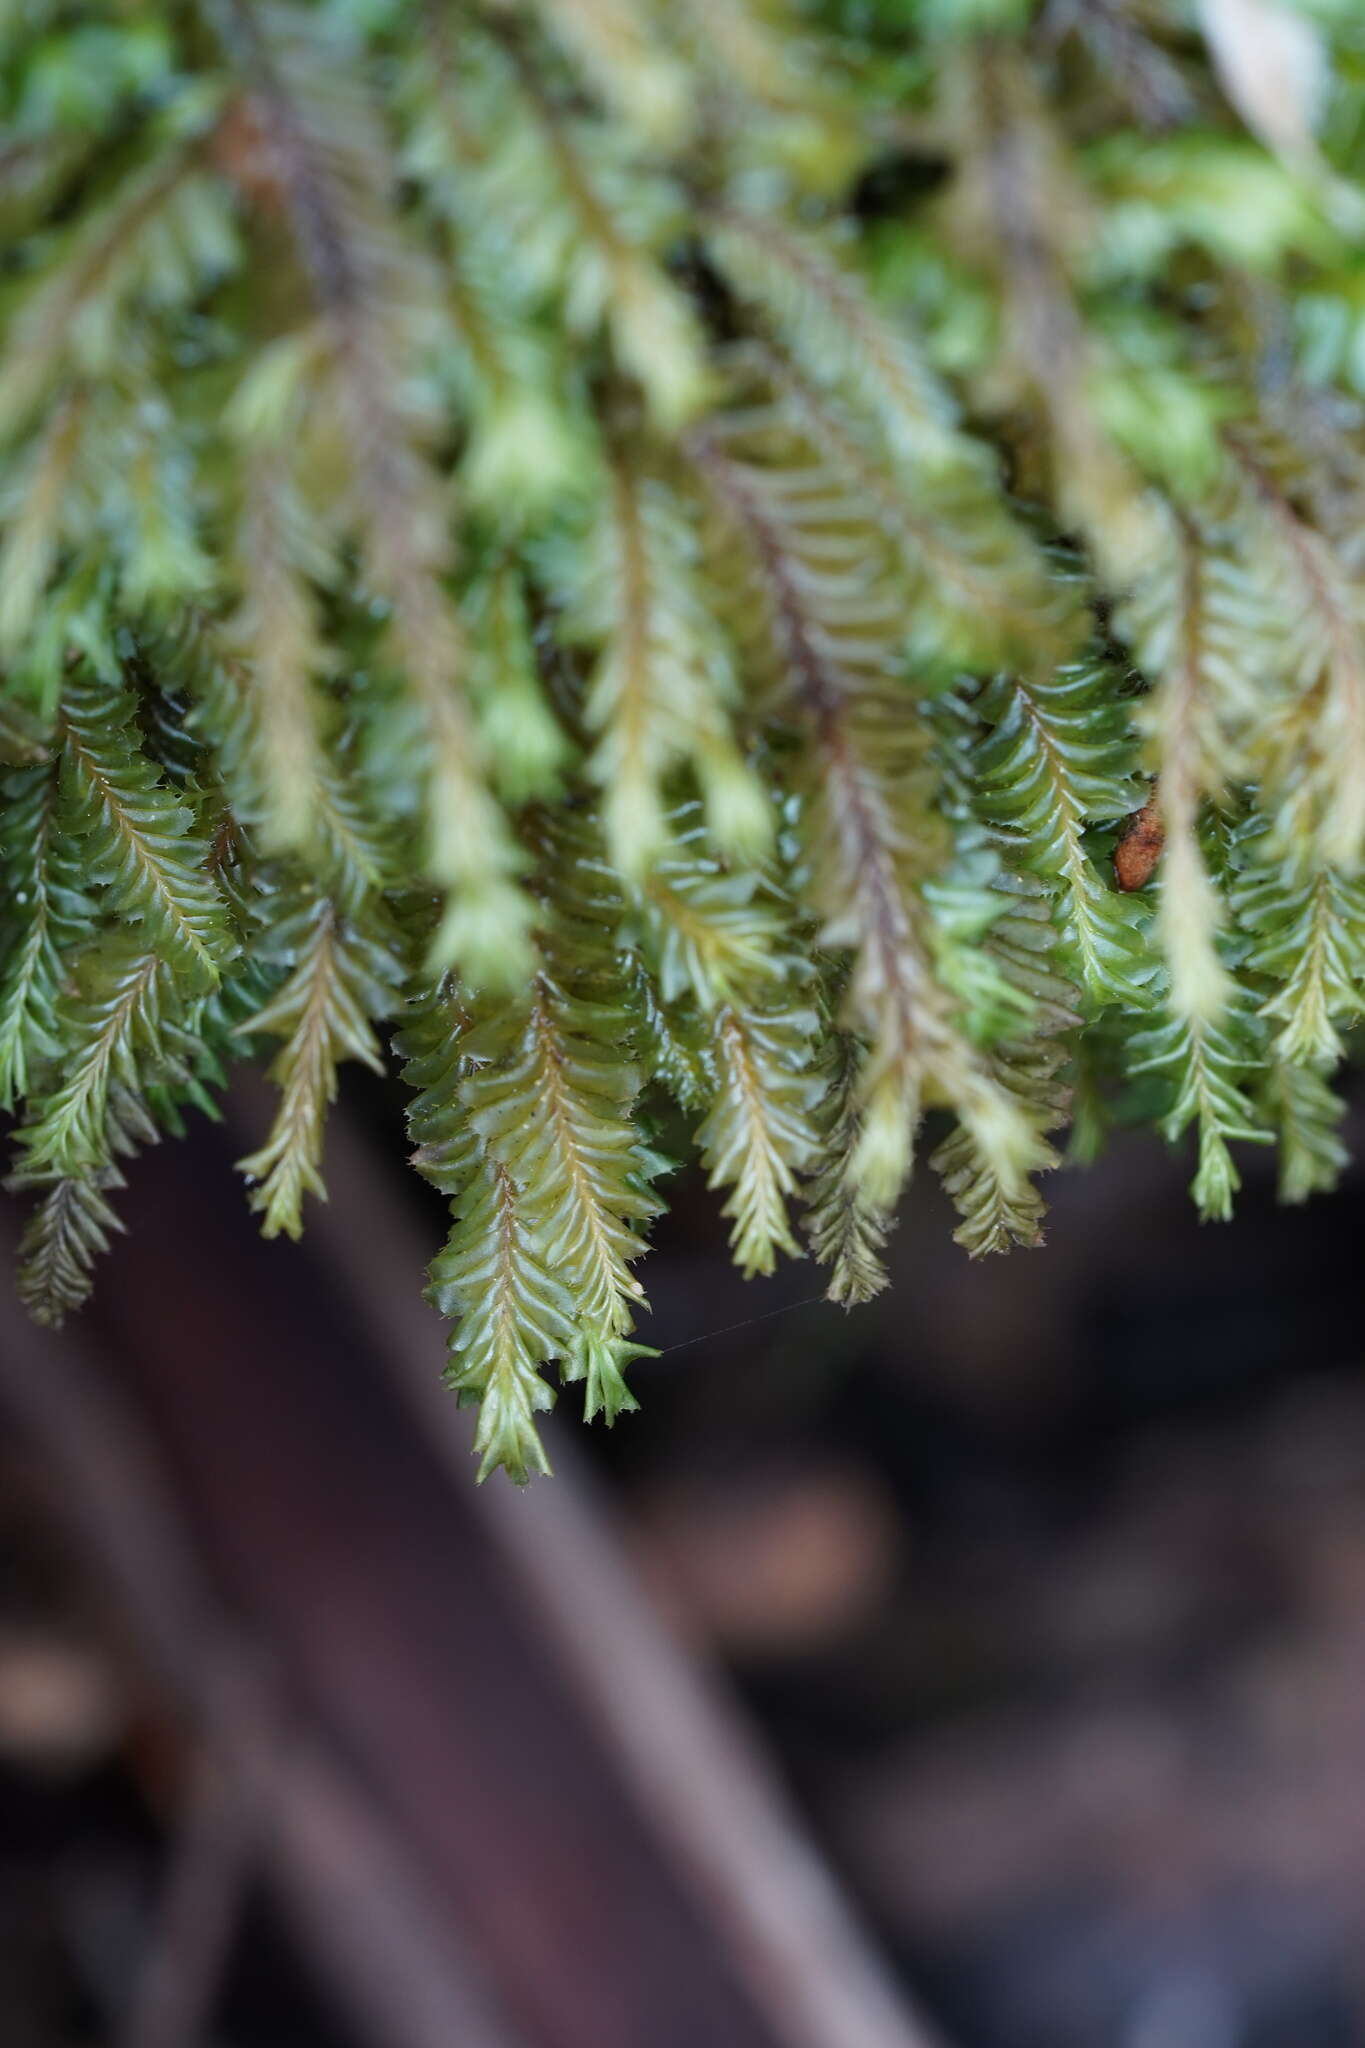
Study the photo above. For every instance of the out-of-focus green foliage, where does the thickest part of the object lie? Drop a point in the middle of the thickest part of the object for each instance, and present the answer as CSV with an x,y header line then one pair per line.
x,y
652,550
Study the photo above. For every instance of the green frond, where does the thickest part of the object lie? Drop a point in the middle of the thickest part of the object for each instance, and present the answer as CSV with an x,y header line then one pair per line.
x,y
122,1025
349,843
74,1221
526,746
601,1364
25,740
769,98
511,1314
1218,193
429,1042
48,908
220,1023
1311,748
342,978
142,1055
846,1231
823,314
1016,216
524,1114
1023,941
550,1097
34,531
580,218
1095,1084
614,533
995,1215
1207,1069
734,1002
661,689
872,836
469,849
1058,759
621,50
150,249
531,442
141,846
1202,637
353,851
964,904
673,1041
1308,933
1029,1063
759,1133
101,491
72,1226
514,1315
169,739
711,931
276,635
372,297
1306,1113
980,595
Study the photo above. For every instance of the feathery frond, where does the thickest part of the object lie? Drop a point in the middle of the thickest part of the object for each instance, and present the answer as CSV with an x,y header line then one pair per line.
x,y
1204,1067
525,743
342,978
581,218
832,626
276,632
139,842
980,595
334,180
123,1027
758,1134
755,575
622,51
72,1226
1059,759
150,249
1312,747
511,1315
660,693
1306,1112
846,1230
549,1110
1030,1068
1200,633
1308,933
821,311
42,877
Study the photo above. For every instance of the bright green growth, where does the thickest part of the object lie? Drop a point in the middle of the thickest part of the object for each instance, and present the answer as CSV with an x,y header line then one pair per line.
x,y
644,554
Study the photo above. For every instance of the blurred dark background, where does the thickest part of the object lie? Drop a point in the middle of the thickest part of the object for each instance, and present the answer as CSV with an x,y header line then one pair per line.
x,y
1027,1605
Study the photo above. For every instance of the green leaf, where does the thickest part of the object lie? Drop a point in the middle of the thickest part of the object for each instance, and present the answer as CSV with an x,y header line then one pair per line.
x,y
141,846
1308,930
1207,1068
42,874
122,1026
846,1231
342,977
759,1133
1059,758
1306,1112
550,1096
72,1226
661,689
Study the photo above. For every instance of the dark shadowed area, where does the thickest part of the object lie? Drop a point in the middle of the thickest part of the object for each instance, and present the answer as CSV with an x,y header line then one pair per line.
x,y
981,1668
